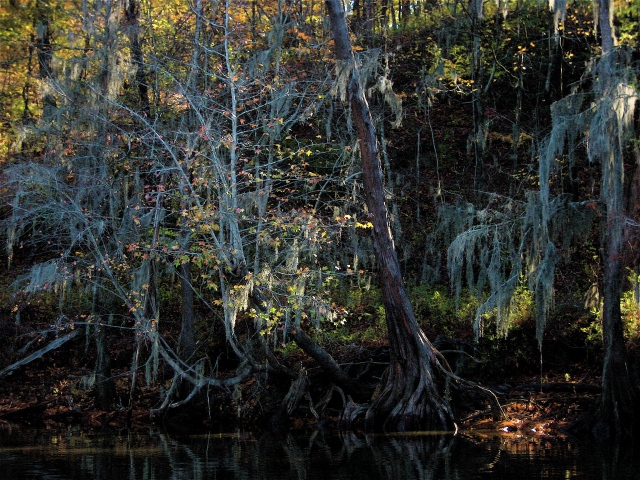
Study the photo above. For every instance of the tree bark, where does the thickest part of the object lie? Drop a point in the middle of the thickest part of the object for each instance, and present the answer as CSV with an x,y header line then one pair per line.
x,y
44,50
410,398
104,386
58,342
132,19
105,389
328,364
616,416
187,330
607,35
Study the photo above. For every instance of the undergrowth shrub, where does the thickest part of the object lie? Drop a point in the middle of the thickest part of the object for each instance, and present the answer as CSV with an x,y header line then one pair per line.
x,y
435,308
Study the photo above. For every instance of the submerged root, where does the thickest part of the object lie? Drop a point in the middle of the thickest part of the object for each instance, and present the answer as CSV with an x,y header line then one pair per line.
x,y
469,387
352,411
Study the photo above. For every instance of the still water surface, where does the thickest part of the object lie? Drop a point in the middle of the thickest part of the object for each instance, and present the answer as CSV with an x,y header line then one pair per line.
x,y
324,456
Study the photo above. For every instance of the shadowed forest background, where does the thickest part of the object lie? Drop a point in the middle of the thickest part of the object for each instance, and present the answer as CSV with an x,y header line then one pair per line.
x,y
188,233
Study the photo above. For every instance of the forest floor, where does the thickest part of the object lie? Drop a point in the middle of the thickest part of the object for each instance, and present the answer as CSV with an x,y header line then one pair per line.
x,y
47,394
534,409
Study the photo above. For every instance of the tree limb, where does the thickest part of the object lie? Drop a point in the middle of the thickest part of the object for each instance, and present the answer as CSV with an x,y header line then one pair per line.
x,y
61,340
327,362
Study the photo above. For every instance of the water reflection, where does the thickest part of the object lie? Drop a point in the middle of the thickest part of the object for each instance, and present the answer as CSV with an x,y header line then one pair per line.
x,y
321,455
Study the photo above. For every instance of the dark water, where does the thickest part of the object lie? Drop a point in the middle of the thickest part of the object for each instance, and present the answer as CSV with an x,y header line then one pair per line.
x,y
323,456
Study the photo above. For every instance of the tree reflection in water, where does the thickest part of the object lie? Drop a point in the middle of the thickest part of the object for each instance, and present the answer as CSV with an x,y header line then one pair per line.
x,y
321,455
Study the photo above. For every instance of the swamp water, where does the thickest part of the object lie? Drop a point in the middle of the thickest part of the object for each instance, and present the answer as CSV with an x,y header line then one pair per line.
x,y
48,455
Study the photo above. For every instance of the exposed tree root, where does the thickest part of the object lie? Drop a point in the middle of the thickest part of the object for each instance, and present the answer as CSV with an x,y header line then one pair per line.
x,y
410,399
469,387
320,406
298,391
422,398
350,414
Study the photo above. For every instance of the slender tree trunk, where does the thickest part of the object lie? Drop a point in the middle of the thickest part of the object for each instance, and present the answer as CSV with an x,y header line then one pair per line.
x,y
105,389
368,22
187,330
384,17
44,50
478,141
605,22
132,19
409,398
43,42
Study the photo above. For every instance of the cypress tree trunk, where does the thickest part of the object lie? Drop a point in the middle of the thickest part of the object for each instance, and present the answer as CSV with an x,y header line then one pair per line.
x,y
616,416
605,19
410,398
